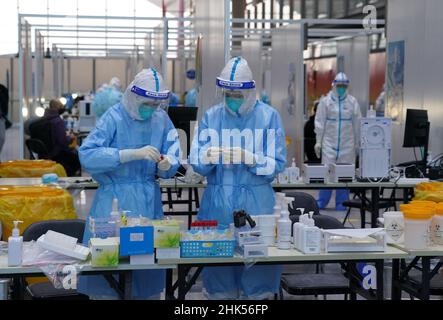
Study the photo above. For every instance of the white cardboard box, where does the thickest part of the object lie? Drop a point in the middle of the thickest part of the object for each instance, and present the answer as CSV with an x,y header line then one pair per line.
x,y
253,250
142,259
167,253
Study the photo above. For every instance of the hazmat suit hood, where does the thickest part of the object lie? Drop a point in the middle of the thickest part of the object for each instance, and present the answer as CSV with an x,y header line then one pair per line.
x,y
148,87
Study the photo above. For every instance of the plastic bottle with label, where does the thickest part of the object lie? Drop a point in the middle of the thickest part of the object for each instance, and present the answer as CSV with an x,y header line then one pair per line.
x,y
284,226
15,247
115,216
371,112
311,237
293,172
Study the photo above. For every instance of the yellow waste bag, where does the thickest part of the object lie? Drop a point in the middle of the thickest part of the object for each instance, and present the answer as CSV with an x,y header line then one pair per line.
x,y
30,168
436,196
430,186
32,204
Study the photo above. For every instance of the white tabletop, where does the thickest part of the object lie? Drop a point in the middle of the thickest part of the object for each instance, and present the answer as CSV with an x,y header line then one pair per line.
x,y
83,267
431,251
87,182
276,255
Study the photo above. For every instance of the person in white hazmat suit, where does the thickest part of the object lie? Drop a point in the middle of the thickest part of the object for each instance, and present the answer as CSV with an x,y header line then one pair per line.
x,y
337,133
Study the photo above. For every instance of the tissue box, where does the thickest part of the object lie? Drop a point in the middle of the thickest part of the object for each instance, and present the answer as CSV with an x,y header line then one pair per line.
x,y
166,233
248,237
136,240
104,252
167,253
142,259
253,250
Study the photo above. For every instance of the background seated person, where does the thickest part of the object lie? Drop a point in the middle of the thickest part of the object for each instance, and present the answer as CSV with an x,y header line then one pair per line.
x,y
59,142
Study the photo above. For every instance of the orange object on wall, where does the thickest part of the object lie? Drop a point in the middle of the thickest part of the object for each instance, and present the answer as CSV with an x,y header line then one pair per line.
x,y
321,73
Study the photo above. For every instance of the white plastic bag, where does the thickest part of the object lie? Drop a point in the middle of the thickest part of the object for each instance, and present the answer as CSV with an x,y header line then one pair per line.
x,y
61,270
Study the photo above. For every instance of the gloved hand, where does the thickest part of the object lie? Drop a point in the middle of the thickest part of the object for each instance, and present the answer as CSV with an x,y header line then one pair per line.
x,y
212,155
237,155
145,153
164,164
317,149
192,177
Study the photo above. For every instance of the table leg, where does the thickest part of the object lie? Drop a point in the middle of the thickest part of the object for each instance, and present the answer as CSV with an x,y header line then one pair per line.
x,y
375,198
379,266
396,288
169,291
182,272
353,283
190,191
17,288
425,278
405,195
127,289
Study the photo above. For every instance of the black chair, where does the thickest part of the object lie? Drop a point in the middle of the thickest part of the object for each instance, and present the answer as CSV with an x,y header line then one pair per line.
x,y
45,290
436,284
37,147
363,203
313,283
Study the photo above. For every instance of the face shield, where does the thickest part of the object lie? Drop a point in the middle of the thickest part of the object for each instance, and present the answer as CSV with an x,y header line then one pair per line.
x,y
147,102
340,85
238,97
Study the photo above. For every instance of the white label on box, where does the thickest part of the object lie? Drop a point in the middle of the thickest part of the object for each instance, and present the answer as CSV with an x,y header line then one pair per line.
x,y
136,237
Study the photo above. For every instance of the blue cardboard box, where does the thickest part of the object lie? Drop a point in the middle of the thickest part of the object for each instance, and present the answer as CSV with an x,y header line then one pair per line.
x,y
136,240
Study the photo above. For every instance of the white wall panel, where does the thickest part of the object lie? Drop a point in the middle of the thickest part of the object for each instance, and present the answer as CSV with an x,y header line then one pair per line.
x,y
287,59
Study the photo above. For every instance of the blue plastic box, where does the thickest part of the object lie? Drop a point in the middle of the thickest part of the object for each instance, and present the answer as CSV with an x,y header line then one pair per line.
x,y
207,249
136,240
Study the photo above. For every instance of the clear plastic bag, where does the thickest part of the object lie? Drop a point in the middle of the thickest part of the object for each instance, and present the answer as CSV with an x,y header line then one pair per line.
x,y
61,270
34,255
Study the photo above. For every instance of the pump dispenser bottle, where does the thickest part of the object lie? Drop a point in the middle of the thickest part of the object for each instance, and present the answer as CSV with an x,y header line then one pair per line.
x,y
15,246
293,172
311,236
284,226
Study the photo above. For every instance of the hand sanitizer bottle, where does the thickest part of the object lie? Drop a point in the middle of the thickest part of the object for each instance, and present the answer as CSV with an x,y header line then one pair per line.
x,y
311,242
115,216
293,172
15,247
371,112
278,201
295,227
284,226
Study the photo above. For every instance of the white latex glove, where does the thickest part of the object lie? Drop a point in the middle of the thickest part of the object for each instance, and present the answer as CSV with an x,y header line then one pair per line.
x,y
237,155
165,164
212,155
192,177
317,149
145,153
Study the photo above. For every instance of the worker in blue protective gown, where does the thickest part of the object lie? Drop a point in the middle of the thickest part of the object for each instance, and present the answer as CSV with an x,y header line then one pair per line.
x,y
191,98
337,126
133,142
239,175
191,95
174,99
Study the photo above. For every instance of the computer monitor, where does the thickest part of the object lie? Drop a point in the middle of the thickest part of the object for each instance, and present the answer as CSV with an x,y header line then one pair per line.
x,y
182,117
417,130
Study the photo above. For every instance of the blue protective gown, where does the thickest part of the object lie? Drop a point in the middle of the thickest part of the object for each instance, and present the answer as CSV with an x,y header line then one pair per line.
x,y
232,187
174,100
132,183
191,98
